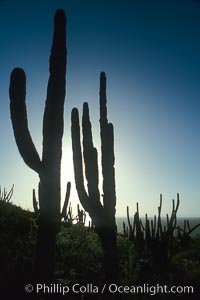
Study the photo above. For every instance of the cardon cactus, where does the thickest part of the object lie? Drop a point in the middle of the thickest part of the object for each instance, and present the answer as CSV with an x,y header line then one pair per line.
x,y
153,238
48,167
101,213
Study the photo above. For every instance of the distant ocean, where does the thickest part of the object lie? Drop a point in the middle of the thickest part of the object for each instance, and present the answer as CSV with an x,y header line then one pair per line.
x,y
180,222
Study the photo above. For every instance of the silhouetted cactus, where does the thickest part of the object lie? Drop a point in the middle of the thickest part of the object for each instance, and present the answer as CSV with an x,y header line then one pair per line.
x,y
65,205
48,168
6,196
102,214
153,229
35,204
81,216
64,212
155,241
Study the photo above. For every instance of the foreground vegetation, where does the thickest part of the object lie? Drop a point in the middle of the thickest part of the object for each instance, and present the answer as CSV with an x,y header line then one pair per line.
x,y
79,257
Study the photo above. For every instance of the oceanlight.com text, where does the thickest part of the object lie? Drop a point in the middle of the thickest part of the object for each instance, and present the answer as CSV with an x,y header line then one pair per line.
x,y
151,289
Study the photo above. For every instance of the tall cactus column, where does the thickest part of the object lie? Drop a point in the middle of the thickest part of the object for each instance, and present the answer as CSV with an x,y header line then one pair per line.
x,y
48,168
101,213
108,235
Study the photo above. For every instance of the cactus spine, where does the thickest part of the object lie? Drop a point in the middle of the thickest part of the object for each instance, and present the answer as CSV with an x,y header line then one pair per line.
x,y
48,168
102,214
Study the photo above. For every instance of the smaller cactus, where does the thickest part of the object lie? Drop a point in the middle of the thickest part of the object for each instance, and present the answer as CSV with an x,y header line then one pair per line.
x,y
35,204
65,205
157,239
152,235
66,202
6,196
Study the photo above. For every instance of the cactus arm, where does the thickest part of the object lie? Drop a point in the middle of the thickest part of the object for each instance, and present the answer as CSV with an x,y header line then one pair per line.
x,y
131,228
67,196
91,200
35,203
91,161
107,147
188,225
77,158
148,230
89,153
173,218
159,222
153,227
18,112
54,106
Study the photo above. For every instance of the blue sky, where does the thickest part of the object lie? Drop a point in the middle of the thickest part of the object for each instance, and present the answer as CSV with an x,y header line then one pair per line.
x,y
150,51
